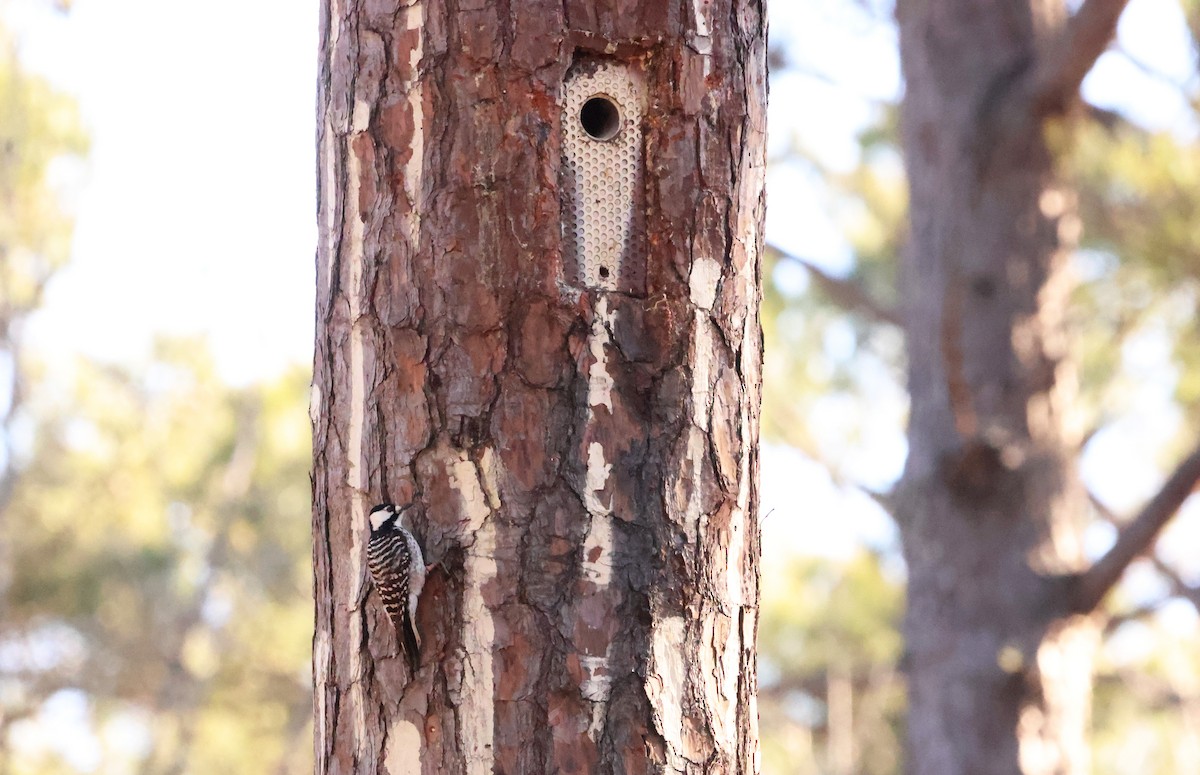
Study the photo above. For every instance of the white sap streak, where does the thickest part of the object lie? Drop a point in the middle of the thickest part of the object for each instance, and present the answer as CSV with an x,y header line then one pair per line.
x,y
750,370
477,691
720,654
314,404
597,561
328,181
362,116
414,168
702,282
322,658
600,532
403,753
322,645
702,36
596,687
665,683
355,476
598,682
703,338
737,547
730,654
699,18
479,636
487,478
474,503
749,628
737,521
735,595
600,387
598,471
734,569
600,382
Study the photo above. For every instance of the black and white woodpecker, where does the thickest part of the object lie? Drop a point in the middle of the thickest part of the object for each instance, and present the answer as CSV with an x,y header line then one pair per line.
x,y
398,570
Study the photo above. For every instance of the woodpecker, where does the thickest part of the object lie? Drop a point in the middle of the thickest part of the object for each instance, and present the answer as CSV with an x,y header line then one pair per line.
x,y
398,570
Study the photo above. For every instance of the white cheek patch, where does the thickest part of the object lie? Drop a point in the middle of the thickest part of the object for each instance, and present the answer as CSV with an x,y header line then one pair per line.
x,y
379,517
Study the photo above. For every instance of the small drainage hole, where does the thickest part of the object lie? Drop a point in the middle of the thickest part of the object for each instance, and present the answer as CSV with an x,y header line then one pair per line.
x,y
600,118
604,271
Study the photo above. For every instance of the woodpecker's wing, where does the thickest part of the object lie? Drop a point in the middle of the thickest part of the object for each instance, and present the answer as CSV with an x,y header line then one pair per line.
x,y
389,560
416,574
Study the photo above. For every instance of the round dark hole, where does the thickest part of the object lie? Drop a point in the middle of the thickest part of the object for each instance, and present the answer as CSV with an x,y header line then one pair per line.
x,y
600,118
604,271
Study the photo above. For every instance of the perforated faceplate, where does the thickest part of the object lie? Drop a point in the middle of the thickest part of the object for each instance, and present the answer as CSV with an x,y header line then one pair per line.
x,y
602,178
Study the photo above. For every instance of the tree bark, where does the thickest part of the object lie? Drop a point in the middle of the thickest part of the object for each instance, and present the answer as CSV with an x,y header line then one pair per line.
x,y
990,505
581,456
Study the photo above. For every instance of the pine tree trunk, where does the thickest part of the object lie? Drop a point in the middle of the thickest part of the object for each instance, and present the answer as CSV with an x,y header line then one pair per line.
x,y
579,441
991,508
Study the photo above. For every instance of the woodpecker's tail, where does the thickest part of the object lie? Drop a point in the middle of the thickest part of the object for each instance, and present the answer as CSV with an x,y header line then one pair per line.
x,y
410,645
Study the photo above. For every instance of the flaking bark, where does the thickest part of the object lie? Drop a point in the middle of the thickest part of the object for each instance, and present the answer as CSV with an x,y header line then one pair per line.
x,y
583,463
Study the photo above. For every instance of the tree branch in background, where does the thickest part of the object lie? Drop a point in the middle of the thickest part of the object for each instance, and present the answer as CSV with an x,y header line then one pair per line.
x,y
847,294
1178,585
1138,535
1149,70
1067,60
1111,120
1142,612
1107,514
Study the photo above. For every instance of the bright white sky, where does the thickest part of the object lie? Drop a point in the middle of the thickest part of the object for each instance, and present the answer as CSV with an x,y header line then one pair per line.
x,y
197,206
198,209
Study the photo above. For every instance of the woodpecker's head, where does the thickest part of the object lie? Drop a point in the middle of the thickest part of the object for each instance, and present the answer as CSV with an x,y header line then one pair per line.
x,y
383,514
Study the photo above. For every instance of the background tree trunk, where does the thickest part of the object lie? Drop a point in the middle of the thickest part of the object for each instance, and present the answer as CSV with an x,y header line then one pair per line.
x,y
1000,648
583,461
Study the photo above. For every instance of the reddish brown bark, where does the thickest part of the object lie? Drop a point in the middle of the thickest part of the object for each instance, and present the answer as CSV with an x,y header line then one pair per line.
x,y
582,461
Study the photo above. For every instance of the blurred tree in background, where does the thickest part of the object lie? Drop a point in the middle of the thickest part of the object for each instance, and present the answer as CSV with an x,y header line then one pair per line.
x,y
38,128
835,355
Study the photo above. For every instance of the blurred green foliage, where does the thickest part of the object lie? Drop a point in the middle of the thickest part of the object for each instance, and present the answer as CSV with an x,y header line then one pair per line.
x,y
1146,709
831,629
1138,202
825,352
160,545
155,605
38,129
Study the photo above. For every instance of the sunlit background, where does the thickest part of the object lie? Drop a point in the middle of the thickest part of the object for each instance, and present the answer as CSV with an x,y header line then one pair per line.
x,y
156,322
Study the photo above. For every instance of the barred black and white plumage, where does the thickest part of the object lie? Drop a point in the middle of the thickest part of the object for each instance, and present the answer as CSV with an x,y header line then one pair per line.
x,y
398,570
